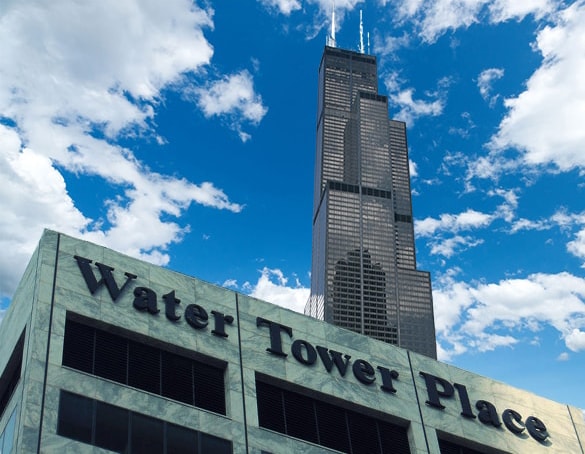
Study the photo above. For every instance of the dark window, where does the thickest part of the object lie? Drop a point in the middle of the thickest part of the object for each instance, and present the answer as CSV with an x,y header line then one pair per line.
x,y
181,440
176,378
270,407
363,433
300,417
214,445
111,356
11,374
332,427
120,430
209,388
78,347
449,447
393,438
402,218
335,427
147,434
75,417
145,367
111,427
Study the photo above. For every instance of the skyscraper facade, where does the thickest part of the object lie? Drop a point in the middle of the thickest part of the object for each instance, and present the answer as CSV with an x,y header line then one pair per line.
x,y
364,275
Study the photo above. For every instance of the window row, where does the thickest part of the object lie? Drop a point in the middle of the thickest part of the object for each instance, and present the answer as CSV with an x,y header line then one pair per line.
x,y
325,424
355,189
402,217
120,430
142,366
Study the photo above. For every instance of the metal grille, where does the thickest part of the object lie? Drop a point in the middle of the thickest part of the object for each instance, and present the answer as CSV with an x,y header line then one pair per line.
x,y
144,367
334,427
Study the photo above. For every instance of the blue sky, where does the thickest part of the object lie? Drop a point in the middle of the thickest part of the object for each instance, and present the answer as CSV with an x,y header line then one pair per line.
x,y
184,133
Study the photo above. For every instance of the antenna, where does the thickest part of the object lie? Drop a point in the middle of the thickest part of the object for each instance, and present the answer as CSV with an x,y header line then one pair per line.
x,y
369,43
331,38
361,33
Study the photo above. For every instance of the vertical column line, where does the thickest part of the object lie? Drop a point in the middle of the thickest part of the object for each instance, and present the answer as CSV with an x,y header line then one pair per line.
x,y
53,290
575,429
242,374
418,401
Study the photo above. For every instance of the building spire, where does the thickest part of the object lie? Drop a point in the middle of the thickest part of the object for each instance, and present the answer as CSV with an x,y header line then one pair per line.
x,y
331,38
361,33
369,43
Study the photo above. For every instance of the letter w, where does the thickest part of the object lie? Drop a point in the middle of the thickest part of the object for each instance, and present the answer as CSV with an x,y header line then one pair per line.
x,y
330,357
107,279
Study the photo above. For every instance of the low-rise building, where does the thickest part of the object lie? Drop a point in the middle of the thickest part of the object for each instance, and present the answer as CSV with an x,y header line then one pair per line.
x,y
101,352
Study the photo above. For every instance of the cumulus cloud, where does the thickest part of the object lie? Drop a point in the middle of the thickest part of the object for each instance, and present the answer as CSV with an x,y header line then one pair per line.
x,y
545,121
432,18
479,317
272,286
575,340
282,6
411,108
577,246
389,44
231,283
75,78
485,81
443,232
504,10
232,96
453,222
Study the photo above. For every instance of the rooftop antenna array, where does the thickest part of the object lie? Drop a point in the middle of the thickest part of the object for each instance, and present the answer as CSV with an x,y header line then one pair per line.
x,y
361,33
331,38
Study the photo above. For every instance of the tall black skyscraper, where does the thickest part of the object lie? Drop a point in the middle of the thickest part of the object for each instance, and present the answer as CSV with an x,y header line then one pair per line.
x,y
364,274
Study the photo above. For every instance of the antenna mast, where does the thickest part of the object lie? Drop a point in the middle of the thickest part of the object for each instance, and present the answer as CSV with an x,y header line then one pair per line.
x,y
331,37
369,43
361,33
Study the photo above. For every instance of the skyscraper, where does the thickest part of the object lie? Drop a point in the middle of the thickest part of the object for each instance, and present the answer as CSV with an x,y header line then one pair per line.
x,y
364,275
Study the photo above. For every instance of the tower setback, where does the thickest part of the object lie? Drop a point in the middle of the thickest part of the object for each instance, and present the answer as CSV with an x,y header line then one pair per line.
x,y
364,275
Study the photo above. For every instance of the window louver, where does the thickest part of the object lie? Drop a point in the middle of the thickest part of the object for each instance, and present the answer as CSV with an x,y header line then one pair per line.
x,y
142,366
313,420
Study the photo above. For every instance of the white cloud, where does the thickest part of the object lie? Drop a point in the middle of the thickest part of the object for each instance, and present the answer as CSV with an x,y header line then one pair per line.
x,y
232,96
410,108
465,130
432,18
447,247
272,287
443,232
76,77
412,169
453,222
575,340
503,10
545,121
485,81
469,317
232,283
390,44
563,357
577,246
283,6
528,224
